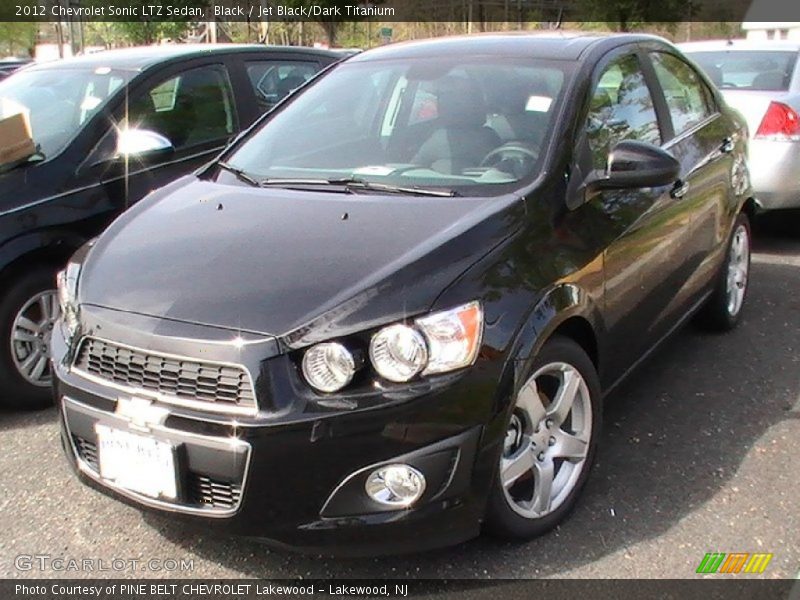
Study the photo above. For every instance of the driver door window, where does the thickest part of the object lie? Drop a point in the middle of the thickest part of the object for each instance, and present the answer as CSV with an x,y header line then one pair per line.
x,y
192,108
621,108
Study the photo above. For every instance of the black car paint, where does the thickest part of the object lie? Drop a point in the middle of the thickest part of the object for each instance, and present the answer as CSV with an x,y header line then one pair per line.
x,y
50,208
616,281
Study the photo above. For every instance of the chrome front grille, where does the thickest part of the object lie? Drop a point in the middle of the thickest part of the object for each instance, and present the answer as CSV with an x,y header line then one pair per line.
x,y
225,386
214,493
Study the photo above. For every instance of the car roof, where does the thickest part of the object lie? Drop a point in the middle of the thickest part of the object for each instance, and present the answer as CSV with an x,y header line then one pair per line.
x,y
565,45
740,45
143,57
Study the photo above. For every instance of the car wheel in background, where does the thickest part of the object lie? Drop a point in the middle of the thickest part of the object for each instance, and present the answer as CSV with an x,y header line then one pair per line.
x,y
724,308
27,317
549,445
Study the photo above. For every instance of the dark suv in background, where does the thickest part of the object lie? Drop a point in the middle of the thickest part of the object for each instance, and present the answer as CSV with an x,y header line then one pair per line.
x,y
109,128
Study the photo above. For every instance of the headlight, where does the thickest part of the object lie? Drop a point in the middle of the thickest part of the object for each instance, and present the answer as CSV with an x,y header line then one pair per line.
x,y
454,337
67,283
398,352
441,342
328,367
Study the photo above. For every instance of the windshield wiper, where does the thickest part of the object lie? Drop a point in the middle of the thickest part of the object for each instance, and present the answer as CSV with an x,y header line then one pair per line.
x,y
240,174
362,184
347,184
289,181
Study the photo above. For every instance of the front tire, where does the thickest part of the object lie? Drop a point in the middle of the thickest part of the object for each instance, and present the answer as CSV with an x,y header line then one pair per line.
x,y
27,317
723,310
550,443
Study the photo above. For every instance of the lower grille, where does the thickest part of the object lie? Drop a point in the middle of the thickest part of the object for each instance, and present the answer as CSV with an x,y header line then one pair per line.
x,y
203,491
87,451
214,493
223,386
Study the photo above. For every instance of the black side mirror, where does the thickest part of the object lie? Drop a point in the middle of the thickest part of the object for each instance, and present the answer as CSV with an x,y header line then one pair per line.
x,y
633,164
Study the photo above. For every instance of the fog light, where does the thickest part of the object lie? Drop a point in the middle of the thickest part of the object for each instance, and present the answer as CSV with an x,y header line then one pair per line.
x,y
395,485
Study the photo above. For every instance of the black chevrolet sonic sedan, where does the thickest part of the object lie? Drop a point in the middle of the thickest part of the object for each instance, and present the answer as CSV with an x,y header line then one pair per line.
x,y
387,317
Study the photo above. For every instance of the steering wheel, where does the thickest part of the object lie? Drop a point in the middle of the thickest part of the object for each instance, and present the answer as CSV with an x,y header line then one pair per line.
x,y
515,158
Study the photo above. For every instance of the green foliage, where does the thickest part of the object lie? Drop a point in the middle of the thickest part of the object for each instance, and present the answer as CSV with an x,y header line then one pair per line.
x,y
17,38
331,24
148,30
629,15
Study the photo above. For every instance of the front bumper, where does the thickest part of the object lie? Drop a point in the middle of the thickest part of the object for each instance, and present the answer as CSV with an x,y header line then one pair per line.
x,y
294,476
775,173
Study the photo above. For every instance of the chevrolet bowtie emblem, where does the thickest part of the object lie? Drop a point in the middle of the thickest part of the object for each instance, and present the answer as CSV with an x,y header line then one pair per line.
x,y
141,412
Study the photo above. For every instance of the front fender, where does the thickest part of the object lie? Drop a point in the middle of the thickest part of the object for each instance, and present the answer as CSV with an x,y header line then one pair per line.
x,y
560,303
54,242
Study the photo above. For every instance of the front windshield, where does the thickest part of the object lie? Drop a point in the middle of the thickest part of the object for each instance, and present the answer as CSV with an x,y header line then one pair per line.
x,y
475,125
58,101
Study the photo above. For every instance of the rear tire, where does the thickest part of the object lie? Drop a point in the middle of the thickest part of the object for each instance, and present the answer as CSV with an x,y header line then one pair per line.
x,y
550,443
723,310
24,315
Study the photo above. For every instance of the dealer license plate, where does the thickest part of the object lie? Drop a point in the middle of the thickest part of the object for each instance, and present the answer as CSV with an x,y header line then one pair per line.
x,y
137,463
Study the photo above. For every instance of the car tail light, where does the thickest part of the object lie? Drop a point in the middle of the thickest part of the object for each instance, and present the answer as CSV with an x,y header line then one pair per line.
x,y
781,122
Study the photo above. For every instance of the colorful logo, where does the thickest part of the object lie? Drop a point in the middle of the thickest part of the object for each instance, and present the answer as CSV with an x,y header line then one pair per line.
x,y
735,562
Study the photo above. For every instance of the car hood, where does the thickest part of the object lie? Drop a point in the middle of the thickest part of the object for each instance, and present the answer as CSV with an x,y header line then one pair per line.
x,y
275,261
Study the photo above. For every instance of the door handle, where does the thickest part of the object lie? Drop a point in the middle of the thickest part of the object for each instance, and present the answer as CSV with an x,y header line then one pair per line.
x,y
726,146
679,190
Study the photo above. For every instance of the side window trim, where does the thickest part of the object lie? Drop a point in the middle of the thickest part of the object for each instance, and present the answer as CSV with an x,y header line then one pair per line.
x,y
665,124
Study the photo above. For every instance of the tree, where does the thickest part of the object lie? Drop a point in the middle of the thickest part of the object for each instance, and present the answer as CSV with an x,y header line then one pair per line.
x,y
330,24
150,32
626,15
147,29
17,38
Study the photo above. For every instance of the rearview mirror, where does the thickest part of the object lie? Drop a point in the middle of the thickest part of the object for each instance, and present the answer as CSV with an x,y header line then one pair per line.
x,y
141,142
633,164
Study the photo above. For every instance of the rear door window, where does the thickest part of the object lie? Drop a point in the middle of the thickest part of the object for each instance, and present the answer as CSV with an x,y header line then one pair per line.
x,y
273,80
688,99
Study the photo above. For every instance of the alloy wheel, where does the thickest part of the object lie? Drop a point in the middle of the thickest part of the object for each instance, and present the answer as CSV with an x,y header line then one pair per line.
x,y
31,331
738,269
547,441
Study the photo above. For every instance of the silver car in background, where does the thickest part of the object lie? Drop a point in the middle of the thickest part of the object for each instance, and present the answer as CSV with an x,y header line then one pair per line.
x,y
761,80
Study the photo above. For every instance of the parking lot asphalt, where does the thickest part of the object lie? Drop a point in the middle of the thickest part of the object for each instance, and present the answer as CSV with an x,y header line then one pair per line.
x,y
698,455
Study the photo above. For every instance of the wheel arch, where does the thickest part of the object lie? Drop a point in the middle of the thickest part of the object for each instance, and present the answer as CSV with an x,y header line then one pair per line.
x,y
49,247
567,309
751,207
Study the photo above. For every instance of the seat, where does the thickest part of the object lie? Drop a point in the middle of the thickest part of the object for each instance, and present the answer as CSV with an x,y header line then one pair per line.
x,y
512,120
289,84
770,81
460,139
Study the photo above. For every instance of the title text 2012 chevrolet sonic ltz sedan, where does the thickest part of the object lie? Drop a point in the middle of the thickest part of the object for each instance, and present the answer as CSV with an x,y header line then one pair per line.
x,y
387,317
